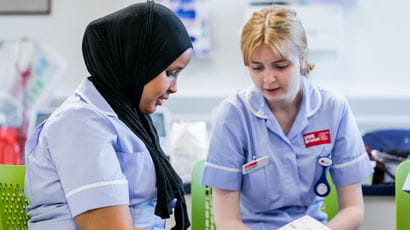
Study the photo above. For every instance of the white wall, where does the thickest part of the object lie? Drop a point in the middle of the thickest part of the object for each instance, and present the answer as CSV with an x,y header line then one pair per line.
x,y
373,61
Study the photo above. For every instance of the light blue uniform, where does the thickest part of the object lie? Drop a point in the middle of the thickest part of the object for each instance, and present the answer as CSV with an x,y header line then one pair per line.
x,y
281,191
85,158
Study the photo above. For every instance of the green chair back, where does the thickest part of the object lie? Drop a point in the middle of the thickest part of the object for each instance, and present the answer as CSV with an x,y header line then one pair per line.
x,y
402,198
330,206
13,202
201,201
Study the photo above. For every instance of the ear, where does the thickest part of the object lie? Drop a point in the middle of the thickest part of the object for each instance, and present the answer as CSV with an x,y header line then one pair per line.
x,y
302,62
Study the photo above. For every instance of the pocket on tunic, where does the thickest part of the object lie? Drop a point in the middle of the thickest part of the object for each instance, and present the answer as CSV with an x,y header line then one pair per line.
x,y
254,190
139,170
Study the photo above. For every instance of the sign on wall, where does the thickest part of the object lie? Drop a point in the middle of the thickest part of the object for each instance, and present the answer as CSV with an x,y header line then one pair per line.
x,y
25,6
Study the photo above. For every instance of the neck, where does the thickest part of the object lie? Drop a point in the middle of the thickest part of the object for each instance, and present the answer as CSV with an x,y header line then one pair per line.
x,y
286,111
287,106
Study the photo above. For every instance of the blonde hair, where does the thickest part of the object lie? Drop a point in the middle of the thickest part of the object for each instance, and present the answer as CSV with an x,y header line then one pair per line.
x,y
275,27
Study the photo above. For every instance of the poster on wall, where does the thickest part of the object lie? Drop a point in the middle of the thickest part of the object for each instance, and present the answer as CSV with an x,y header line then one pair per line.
x,y
287,2
195,16
323,24
335,2
25,6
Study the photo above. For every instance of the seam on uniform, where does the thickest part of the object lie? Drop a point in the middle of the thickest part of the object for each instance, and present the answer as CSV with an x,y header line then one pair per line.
x,y
222,167
318,103
247,104
94,185
350,162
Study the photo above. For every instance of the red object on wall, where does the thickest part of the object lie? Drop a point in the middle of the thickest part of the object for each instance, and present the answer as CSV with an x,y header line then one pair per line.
x,y
9,146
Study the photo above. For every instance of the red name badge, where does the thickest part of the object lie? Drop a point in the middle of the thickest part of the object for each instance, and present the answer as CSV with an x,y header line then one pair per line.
x,y
317,138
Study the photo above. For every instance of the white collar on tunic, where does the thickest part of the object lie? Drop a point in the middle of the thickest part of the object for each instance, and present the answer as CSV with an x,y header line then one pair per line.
x,y
90,94
256,103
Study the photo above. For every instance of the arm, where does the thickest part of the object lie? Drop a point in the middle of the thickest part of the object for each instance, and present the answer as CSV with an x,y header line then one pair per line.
x,y
351,211
113,217
226,209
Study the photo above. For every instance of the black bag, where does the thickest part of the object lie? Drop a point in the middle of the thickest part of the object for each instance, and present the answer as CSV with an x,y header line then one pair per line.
x,y
387,147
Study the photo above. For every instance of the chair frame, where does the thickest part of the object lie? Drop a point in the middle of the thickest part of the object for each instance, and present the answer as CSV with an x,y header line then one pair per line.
x,y
401,197
201,200
12,198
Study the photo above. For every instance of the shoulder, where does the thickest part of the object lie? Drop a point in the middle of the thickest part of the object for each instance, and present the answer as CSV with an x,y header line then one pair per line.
x,y
244,104
232,104
333,100
76,115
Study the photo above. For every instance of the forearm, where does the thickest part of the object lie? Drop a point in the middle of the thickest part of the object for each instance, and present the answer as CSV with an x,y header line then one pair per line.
x,y
349,218
231,224
113,217
351,204
226,210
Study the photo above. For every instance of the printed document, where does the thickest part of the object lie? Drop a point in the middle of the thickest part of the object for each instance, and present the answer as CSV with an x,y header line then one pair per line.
x,y
305,223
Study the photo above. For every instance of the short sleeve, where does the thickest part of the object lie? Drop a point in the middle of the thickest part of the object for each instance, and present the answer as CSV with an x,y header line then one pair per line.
x,y
351,163
226,153
82,146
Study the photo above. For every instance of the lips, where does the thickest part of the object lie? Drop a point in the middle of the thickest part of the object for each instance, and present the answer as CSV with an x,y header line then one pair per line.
x,y
161,100
272,90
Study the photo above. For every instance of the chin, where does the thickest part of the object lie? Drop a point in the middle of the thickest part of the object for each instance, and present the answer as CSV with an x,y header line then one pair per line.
x,y
148,110
151,110
273,97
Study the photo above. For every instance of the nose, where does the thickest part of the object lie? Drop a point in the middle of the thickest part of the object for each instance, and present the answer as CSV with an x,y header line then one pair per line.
x,y
269,77
172,87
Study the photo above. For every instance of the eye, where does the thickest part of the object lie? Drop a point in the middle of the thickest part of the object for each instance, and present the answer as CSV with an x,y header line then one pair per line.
x,y
257,68
171,75
282,65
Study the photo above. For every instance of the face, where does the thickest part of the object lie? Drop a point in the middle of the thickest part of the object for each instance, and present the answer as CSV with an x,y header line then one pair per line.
x,y
276,77
157,91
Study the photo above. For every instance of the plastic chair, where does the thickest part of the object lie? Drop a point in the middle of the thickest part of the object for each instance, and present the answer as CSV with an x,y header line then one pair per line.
x,y
330,205
402,198
201,200
13,202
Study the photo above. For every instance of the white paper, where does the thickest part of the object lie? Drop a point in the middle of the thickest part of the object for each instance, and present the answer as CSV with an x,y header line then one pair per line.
x,y
305,223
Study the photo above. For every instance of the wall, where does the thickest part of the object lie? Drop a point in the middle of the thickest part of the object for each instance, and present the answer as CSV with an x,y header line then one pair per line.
x,y
62,30
373,61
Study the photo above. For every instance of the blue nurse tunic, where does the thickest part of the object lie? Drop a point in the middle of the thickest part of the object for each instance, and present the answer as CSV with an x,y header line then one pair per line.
x,y
83,157
283,190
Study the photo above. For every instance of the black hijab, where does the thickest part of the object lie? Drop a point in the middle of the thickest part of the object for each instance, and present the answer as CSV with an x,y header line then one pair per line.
x,y
123,51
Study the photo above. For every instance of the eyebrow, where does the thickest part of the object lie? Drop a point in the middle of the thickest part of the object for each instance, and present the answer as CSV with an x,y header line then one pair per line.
x,y
175,68
281,60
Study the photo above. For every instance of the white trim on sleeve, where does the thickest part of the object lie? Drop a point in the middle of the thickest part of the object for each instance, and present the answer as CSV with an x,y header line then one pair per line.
x,y
98,184
222,167
350,162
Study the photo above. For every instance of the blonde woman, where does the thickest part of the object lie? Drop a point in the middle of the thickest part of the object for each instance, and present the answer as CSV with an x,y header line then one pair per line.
x,y
274,142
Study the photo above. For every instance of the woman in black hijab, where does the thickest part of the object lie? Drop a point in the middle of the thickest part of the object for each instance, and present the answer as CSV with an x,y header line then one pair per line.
x,y
134,57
